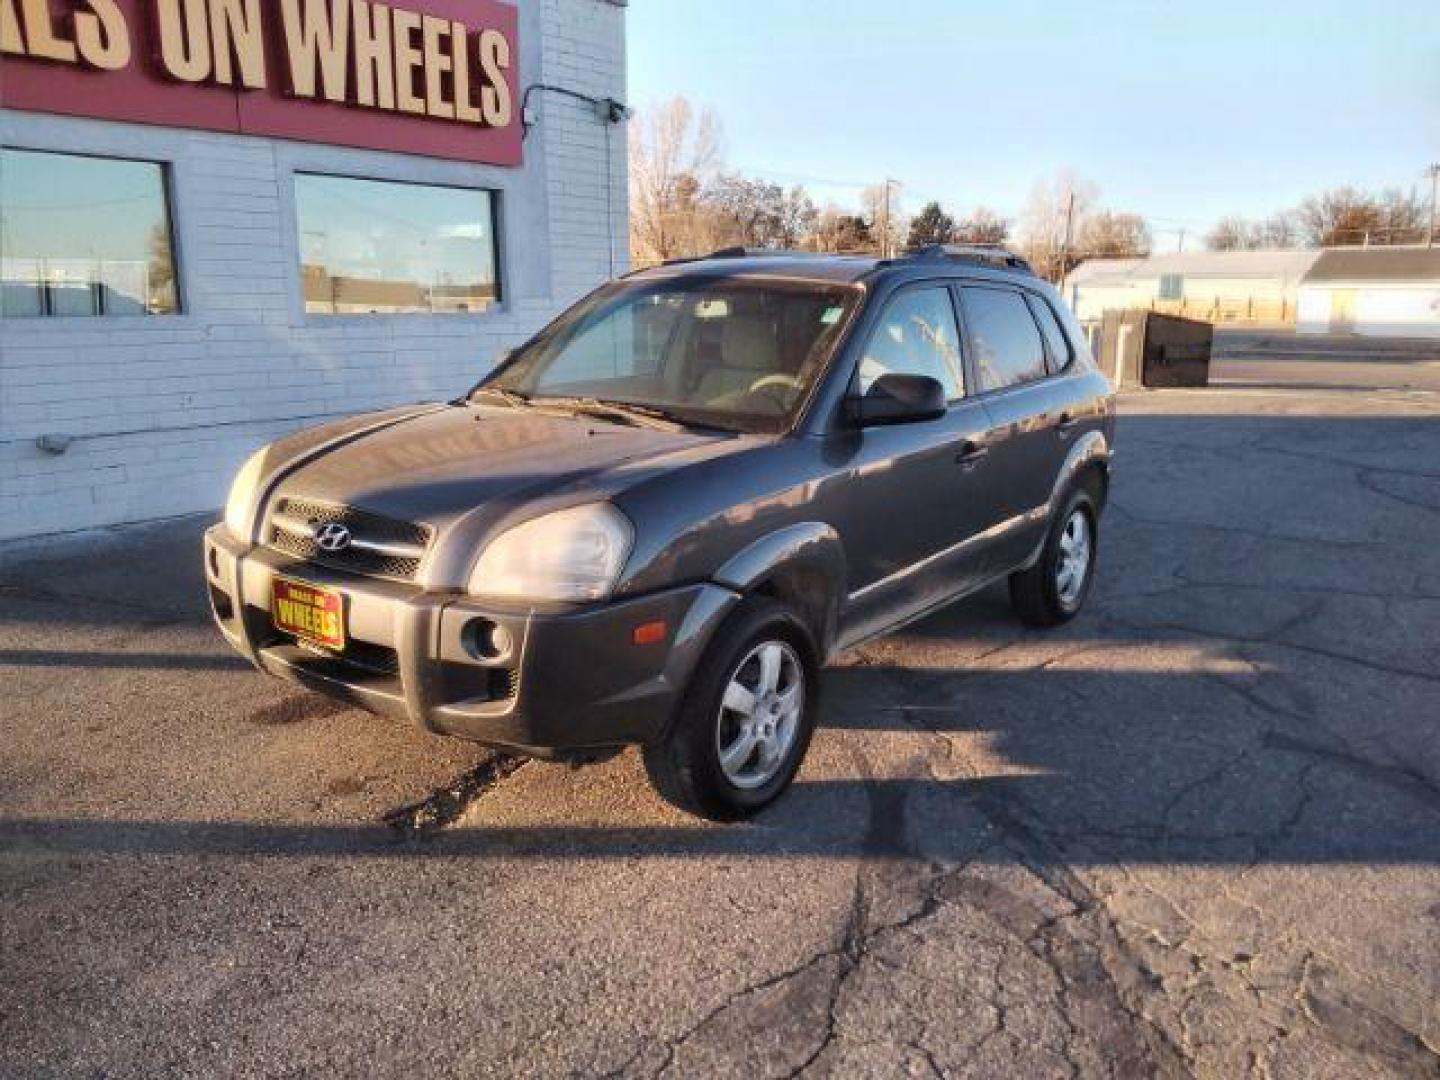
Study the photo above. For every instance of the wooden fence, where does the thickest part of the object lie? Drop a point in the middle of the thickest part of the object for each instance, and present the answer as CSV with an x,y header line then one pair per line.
x,y
1267,311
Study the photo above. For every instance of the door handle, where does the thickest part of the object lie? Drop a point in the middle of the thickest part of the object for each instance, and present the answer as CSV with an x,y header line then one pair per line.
x,y
1067,425
970,454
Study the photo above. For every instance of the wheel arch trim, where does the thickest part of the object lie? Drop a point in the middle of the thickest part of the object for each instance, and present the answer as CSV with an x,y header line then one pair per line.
x,y
802,564
1092,448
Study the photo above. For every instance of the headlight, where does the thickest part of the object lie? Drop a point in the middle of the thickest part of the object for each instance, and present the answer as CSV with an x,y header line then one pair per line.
x,y
240,506
573,554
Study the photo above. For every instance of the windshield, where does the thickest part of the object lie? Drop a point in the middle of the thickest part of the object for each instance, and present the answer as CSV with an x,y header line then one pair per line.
x,y
727,353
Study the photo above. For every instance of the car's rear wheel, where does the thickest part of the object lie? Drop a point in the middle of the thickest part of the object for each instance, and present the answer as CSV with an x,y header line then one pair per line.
x,y
1054,590
746,720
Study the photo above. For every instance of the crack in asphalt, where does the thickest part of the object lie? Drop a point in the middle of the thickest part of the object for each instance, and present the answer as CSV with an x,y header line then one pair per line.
x,y
1084,970
446,805
1367,480
673,1046
1186,582
1295,646
884,840
1350,463
1402,778
1085,949
1100,962
1237,530
1344,1020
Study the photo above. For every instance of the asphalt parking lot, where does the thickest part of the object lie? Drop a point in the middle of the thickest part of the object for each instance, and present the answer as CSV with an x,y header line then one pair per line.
x,y
1196,832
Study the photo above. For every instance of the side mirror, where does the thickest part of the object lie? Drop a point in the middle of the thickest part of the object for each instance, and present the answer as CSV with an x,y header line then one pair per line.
x,y
899,399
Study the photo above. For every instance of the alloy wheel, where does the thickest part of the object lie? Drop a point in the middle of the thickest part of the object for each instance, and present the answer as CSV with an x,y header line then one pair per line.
x,y
1072,566
760,714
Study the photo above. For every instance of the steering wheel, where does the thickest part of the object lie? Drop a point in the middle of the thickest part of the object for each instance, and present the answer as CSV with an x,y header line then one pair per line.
x,y
773,388
778,380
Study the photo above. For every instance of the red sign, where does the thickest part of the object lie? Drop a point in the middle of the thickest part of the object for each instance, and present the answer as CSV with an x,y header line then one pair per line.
x,y
432,77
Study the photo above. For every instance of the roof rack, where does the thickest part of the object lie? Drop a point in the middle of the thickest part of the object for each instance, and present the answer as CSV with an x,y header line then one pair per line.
x,y
980,254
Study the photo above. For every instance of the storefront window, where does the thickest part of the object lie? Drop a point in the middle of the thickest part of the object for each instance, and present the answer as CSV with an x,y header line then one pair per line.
x,y
372,246
83,236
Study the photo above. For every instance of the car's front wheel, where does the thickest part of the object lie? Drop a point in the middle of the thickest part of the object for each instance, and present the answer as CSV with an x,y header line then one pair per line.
x,y
746,720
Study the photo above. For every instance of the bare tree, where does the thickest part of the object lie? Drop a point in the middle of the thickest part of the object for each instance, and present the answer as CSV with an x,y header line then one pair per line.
x,y
757,213
795,218
1339,217
838,231
673,154
1279,231
1053,218
744,208
1403,217
1232,234
1110,235
983,226
883,213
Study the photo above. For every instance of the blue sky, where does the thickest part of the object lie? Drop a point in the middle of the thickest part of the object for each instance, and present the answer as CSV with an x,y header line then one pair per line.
x,y
1182,112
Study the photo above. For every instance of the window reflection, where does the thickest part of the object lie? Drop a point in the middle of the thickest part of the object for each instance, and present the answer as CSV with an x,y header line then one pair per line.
x,y
384,247
83,236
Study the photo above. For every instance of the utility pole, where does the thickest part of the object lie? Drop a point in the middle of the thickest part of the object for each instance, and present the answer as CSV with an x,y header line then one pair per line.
x,y
1069,237
1180,247
1434,172
885,252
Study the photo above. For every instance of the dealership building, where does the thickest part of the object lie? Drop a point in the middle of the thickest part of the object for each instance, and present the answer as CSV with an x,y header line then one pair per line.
x,y
222,220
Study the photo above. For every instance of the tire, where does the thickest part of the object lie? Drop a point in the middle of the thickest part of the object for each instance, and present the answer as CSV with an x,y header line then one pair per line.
x,y
1046,595
686,766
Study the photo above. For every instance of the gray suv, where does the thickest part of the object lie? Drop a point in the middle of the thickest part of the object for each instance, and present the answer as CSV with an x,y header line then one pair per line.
x,y
656,520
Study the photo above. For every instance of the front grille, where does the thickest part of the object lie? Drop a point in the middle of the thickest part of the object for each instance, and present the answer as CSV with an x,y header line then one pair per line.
x,y
377,658
361,656
401,544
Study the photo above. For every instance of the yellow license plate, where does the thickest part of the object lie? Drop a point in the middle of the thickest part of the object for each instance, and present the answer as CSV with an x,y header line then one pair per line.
x,y
309,612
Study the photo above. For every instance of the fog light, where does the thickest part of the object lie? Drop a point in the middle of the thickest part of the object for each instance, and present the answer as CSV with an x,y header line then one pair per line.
x,y
500,640
486,640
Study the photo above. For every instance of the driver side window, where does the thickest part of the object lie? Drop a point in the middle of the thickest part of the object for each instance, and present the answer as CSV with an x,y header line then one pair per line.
x,y
917,335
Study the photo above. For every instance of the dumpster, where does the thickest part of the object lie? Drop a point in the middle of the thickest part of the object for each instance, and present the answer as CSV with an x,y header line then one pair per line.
x,y
1145,348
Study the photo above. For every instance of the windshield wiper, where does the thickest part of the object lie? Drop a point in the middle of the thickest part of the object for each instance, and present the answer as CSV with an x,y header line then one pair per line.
x,y
625,412
513,398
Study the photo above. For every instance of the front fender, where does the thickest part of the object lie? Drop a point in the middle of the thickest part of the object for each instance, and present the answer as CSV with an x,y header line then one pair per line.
x,y
804,565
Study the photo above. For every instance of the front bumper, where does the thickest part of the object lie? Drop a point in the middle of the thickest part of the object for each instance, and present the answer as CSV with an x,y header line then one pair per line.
x,y
572,682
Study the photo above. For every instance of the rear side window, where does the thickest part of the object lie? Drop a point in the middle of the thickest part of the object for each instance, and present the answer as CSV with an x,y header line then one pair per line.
x,y
916,335
1003,335
1060,352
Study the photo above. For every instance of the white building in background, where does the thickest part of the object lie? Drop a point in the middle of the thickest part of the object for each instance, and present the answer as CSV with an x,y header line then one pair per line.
x,y
1377,292
1248,288
1372,291
207,244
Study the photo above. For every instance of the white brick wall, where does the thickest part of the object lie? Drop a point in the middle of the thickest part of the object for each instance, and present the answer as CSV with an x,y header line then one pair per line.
x,y
163,410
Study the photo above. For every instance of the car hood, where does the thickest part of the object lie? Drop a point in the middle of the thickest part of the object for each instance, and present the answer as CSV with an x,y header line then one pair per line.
x,y
448,463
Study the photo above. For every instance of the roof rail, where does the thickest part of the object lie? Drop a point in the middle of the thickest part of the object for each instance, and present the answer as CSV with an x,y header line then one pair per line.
x,y
980,254
738,252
